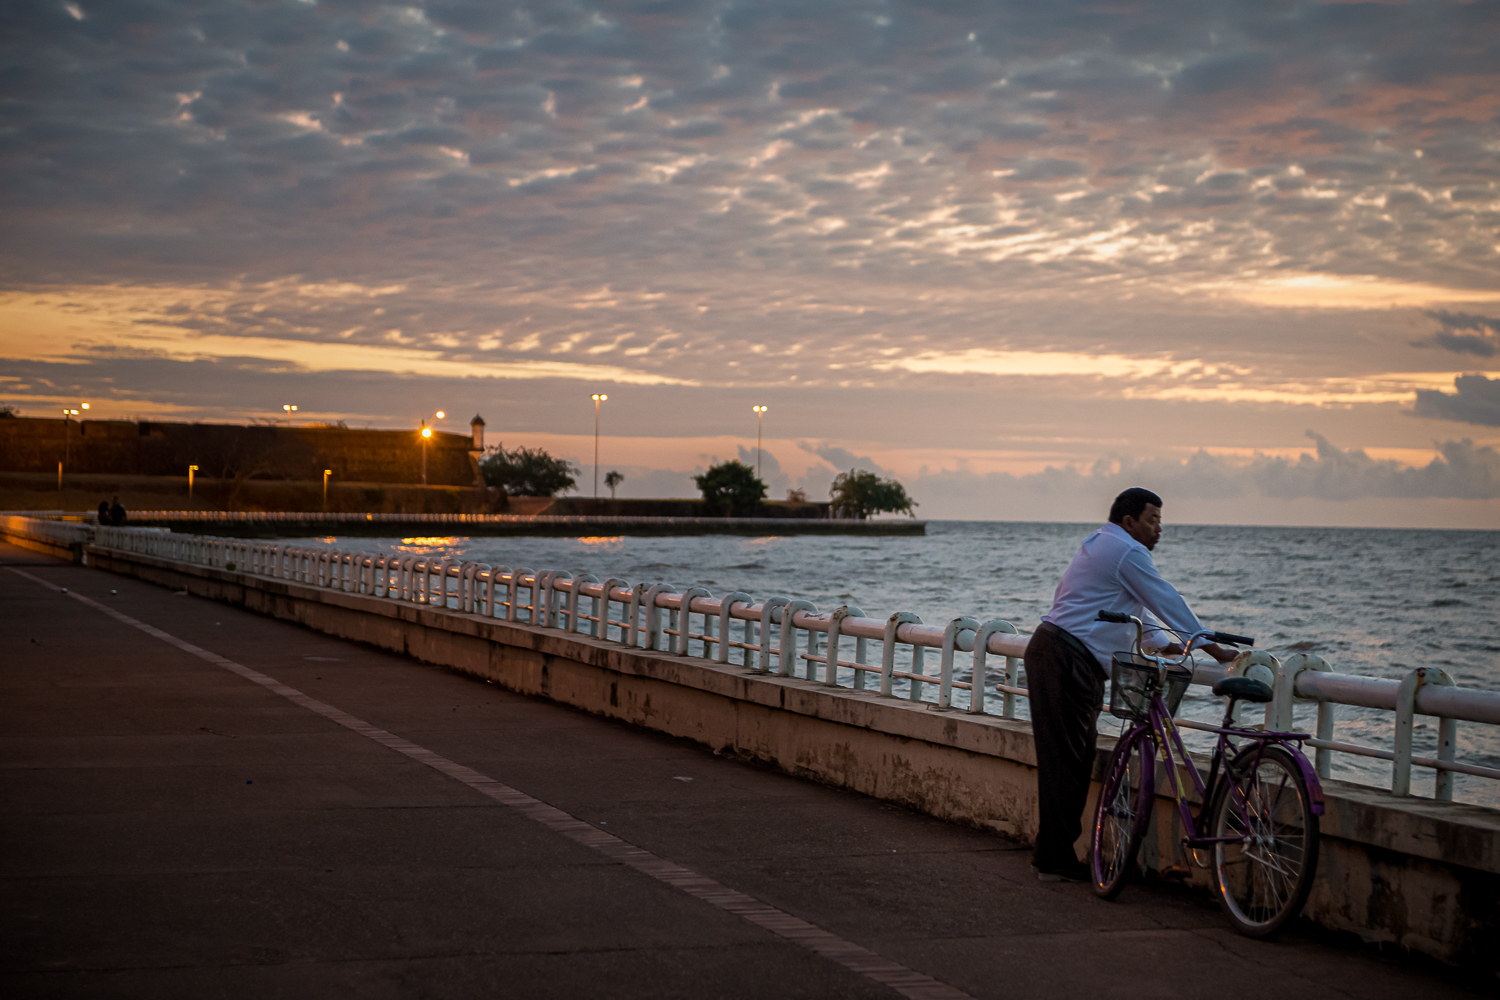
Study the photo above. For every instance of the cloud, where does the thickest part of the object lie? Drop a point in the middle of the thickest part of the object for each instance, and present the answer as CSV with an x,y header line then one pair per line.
x,y
1462,470
844,460
1476,401
1452,335
857,196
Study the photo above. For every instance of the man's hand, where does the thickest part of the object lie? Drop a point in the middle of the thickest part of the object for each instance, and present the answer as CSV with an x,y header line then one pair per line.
x,y
1216,651
1220,653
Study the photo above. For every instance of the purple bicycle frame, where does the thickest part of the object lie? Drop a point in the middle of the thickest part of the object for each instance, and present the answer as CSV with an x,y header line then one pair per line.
x,y
1162,732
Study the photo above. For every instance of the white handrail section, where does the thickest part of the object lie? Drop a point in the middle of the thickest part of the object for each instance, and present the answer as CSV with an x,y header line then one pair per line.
x,y
763,634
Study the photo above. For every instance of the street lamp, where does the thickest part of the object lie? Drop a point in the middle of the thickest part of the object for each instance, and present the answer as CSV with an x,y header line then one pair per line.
x,y
288,409
68,416
599,397
760,416
326,474
191,469
426,433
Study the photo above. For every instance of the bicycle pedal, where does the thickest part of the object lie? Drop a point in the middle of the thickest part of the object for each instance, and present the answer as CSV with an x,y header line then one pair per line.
x,y
1175,873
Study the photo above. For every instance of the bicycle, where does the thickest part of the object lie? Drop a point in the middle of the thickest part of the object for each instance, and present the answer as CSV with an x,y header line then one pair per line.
x,y
1259,814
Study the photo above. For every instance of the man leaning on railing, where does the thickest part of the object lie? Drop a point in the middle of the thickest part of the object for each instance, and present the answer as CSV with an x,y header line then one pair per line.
x,y
1067,660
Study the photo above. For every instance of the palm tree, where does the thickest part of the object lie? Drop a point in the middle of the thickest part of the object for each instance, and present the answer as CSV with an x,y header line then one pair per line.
x,y
613,479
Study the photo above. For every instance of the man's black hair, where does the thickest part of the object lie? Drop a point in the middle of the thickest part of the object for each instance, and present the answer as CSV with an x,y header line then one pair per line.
x,y
1131,503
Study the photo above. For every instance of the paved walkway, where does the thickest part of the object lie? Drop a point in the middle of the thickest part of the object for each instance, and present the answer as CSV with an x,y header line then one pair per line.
x,y
174,828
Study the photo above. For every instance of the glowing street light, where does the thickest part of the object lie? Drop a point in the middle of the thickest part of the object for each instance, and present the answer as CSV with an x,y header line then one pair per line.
x,y
426,433
191,469
599,397
760,416
326,474
288,409
68,416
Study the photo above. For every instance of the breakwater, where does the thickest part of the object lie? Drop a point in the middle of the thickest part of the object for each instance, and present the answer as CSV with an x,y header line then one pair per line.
x,y
301,525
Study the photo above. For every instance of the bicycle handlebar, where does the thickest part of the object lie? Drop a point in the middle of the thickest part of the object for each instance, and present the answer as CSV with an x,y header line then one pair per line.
x,y
1231,639
1228,638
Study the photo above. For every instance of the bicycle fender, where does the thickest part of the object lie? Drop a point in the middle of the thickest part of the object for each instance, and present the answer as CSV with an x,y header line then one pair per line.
x,y
1309,776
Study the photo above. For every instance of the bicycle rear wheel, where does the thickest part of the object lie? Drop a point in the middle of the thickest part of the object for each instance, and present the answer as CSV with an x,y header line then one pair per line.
x,y
1264,877
1115,840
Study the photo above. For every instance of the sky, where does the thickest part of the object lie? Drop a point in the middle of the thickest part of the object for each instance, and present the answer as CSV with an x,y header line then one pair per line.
x,y
1016,255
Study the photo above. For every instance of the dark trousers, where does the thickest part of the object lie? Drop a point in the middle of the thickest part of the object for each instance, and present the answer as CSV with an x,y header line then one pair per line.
x,y
1067,690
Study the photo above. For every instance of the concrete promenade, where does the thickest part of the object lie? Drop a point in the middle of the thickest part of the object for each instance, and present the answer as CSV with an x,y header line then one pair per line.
x,y
372,827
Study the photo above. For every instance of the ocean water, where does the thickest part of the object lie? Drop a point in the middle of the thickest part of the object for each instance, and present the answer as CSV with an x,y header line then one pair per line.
x,y
1369,601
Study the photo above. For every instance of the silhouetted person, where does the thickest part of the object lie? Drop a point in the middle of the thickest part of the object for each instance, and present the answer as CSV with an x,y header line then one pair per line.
x,y
116,513
104,517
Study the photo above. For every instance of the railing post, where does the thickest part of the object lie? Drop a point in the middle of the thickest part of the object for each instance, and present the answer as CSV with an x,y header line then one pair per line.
x,y
1406,711
835,632
945,662
516,576
888,653
680,646
1283,701
981,656
788,637
653,613
575,594
600,624
632,626
541,601
726,606
770,613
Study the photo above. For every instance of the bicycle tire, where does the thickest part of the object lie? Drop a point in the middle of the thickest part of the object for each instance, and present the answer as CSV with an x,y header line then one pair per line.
x,y
1263,881
1115,840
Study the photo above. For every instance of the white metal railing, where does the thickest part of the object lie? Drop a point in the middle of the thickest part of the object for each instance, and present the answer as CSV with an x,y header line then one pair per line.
x,y
833,648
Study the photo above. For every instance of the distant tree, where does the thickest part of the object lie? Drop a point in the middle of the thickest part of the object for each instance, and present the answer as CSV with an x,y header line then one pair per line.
x,y
612,479
7,412
527,472
860,494
731,487
796,496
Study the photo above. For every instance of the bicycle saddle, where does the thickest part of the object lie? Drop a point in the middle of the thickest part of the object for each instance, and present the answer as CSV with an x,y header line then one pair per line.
x,y
1244,689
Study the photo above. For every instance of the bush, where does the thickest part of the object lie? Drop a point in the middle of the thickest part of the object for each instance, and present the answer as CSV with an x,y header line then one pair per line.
x,y
860,494
527,472
731,486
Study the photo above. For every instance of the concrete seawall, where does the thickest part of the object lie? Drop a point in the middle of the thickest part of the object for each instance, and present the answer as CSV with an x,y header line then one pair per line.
x,y
1412,873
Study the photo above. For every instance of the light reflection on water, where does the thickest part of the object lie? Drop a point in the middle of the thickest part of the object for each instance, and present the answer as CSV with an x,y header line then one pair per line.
x,y
1372,602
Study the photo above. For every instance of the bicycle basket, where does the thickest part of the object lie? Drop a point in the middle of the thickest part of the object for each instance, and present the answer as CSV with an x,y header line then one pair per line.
x,y
1135,680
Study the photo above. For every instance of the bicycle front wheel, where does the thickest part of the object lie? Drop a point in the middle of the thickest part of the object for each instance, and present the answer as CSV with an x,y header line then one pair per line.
x,y
1116,838
1265,873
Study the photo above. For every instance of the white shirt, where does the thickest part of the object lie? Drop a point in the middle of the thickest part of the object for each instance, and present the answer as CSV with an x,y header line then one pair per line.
x,y
1114,572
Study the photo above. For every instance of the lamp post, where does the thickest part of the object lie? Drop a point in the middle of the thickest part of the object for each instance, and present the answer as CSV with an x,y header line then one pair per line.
x,y
68,416
760,416
326,474
426,433
191,469
288,409
598,398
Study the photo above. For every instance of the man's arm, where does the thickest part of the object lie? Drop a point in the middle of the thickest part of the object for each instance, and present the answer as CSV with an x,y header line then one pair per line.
x,y
1138,573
